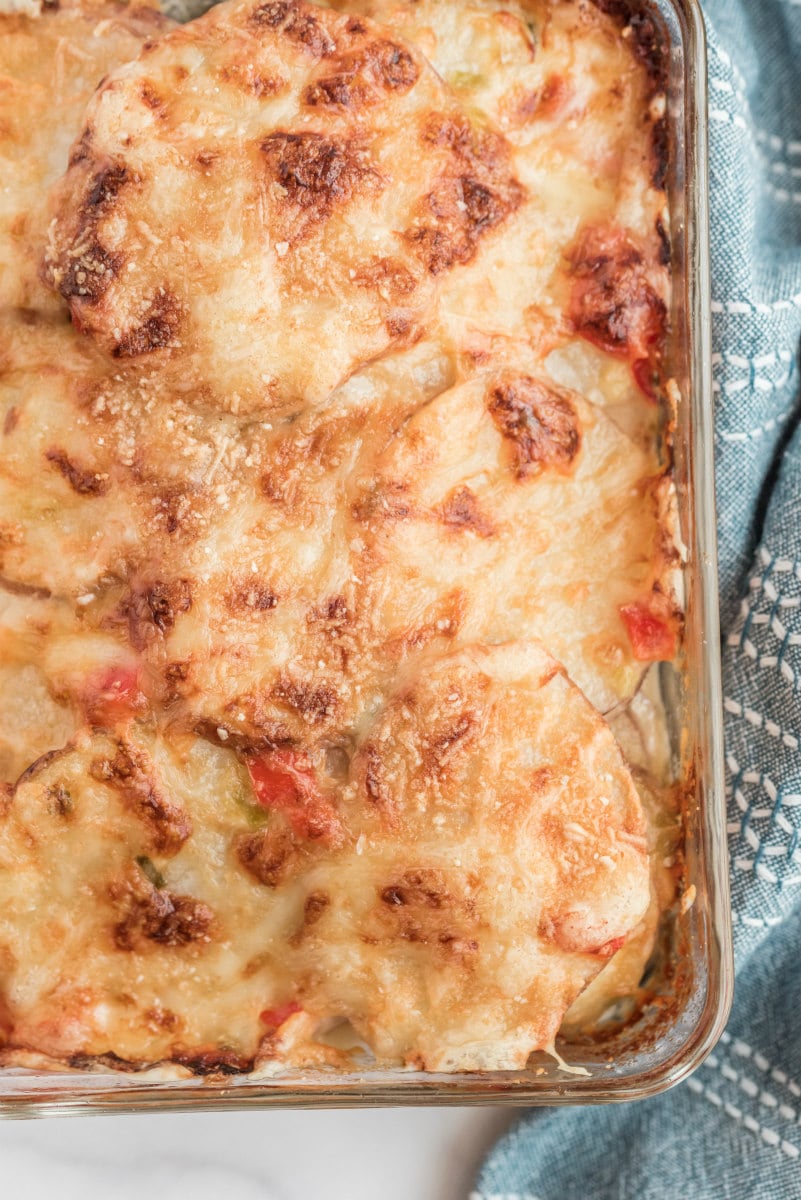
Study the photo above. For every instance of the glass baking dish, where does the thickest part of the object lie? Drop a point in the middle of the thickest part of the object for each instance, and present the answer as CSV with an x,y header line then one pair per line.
x,y
692,994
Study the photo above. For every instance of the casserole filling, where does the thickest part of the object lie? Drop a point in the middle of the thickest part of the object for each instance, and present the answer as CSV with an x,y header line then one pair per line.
x,y
336,534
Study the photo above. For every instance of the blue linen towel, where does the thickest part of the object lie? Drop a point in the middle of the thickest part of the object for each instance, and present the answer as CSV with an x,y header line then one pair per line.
x,y
733,1130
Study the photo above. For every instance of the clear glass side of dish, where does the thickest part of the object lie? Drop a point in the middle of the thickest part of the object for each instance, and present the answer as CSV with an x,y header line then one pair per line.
x,y
639,1049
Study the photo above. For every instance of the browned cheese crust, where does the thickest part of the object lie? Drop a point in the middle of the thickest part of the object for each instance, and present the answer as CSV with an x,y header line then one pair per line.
x,y
270,176
473,866
579,95
332,531
49,66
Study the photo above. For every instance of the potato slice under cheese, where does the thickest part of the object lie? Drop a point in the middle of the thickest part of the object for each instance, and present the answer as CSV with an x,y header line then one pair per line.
x,y
215,210
49,66
500,862
482,860
509,507
127,925
565,84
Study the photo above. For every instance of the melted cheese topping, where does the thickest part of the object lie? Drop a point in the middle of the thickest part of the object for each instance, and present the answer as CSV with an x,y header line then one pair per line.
x,y
582,119
49,67
322,553
293,130
467,887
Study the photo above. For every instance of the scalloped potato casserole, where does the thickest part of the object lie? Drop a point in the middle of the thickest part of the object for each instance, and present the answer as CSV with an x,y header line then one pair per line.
x,y
336,531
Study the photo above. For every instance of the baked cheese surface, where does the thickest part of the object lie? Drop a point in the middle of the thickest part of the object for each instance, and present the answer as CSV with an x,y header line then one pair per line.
x,y
49,67
335,539
295,130
449,900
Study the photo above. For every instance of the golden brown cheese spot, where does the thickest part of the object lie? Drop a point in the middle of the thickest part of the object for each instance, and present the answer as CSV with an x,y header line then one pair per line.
x,y
334,612
132,774
90,274
542,426
390,278
460,511
376,781
81,480
149,914
398,327
314,907
82,147
270,855
250,80
313,702
449,742
157,331
152,100
106,187
91,267
206,159
477,194
252,598
419,907
152,609
174,507
358,78
299,26
390,502
316,172
59,800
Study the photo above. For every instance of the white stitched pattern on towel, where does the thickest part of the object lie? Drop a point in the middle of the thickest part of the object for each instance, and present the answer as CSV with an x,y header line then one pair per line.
x,y
751,1087
768,1135
743,1050
748,435
760,722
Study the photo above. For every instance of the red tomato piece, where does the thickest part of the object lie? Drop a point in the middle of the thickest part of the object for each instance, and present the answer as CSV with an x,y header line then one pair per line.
x,y
112,694
653,639
273,1018
612,303
284,781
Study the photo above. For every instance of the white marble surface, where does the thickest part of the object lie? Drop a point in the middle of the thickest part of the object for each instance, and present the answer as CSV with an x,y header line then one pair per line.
x,y
381,1154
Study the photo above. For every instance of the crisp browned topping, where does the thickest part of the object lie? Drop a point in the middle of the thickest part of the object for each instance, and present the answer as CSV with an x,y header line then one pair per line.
x,y
133,775
82,481
314,702
156,915
476,197
612,301
151,609
60,800
90,274
294,654
152,99
296,22
270,855
357,78
252,597
460,511
157,331
316,171
541,425
387,276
